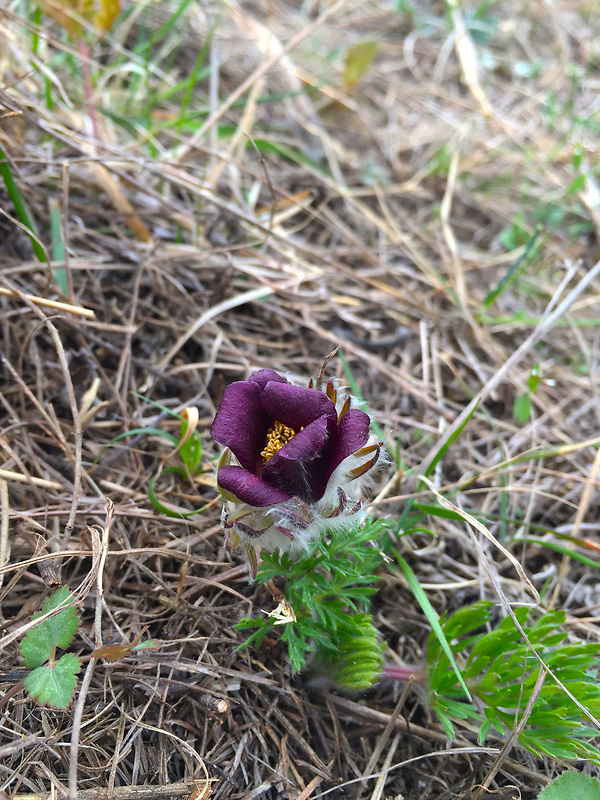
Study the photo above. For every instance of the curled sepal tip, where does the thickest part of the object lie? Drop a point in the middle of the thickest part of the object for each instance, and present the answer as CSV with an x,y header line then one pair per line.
x,y
358,472
252,561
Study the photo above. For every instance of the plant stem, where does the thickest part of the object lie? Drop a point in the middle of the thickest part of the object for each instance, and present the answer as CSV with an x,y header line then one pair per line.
x,y
396,673
84,52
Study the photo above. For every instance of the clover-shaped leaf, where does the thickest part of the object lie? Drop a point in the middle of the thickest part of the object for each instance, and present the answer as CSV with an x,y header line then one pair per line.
x,y
54,684
40,643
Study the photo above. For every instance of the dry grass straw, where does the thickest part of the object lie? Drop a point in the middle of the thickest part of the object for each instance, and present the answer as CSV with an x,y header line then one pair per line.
x,y
203,253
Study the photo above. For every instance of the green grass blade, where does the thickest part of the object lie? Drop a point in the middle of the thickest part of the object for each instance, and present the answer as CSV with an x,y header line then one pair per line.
x,y
512,272
430,613
437,511
135,431
356,392
156,404
58,248
160,33
401,524
35,39
171,511
196,73
565,551
451,440
20,206
35,45
285,151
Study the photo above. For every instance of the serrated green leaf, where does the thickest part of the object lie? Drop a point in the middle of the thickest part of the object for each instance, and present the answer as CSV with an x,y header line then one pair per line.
x,y
54,685
40,642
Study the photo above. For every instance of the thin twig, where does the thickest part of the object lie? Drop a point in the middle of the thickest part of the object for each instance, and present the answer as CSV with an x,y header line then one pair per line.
x,y
141,792
55,304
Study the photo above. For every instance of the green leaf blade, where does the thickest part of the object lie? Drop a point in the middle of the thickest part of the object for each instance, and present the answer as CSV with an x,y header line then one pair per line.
x,y
54,685
40,642
429,612
572,785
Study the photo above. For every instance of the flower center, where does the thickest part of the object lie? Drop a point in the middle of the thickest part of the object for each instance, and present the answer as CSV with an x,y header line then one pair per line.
x,y
277,436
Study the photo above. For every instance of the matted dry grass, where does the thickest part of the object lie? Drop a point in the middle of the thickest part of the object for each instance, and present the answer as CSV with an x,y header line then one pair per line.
x,y
202,260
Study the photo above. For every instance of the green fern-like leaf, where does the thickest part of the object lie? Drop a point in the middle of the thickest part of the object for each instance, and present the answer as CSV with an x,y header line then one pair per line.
x,y
328,591
501,672
357,662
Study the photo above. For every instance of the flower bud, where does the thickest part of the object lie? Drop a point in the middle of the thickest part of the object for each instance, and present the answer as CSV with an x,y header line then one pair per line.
x,y
358,662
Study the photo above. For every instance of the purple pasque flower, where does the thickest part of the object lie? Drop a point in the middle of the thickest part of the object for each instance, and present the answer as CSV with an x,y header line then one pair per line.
x,y
295,455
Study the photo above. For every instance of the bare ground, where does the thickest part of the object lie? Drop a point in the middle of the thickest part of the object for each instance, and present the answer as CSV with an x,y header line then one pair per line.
x,y
291,213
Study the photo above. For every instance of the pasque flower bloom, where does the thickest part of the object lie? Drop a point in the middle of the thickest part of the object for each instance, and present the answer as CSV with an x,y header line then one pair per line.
x,y
295,456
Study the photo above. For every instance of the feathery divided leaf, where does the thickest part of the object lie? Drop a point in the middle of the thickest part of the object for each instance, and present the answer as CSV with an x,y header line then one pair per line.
x,y
329,591
501,673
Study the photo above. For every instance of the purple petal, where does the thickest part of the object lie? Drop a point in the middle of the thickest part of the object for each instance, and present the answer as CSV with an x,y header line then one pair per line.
x,y
263,376
295,406
300,467
352,434
249,488
304,446
240,424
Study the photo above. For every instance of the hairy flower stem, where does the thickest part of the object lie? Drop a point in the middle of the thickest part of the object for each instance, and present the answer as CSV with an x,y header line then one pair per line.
x,y
396,673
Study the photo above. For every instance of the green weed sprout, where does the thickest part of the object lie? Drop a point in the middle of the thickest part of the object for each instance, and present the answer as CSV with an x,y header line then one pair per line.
x,y
52,680
188,446
189,449
501,673
572,784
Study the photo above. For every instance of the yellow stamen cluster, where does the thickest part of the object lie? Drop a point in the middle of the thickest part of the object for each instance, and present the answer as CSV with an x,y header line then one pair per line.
x,y
277,436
